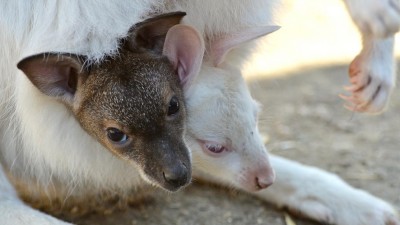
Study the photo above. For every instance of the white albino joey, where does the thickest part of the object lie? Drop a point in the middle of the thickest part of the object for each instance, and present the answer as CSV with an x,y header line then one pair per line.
x,y
228,146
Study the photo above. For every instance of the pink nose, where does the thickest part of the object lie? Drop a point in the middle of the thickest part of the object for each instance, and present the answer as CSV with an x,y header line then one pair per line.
x,y
261,184
265,179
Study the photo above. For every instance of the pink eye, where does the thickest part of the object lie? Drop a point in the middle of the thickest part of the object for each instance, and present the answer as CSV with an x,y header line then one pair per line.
x,y
215,148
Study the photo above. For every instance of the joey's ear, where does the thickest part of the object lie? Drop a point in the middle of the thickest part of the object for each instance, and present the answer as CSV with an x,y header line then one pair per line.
x,y
222,45
149,35
54,74
184,47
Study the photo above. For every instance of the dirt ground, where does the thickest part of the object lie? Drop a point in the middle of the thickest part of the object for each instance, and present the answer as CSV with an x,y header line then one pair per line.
x,y
303,119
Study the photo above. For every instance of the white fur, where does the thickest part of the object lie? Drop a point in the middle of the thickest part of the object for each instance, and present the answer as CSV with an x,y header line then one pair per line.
x,y
41,141
304,190
41,138
220,97
373,71
324,197
319,195
372,76
377,18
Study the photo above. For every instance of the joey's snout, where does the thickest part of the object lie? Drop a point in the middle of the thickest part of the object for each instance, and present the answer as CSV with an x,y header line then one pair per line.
x,y
175,171
264,177
258,178
176,175
167,163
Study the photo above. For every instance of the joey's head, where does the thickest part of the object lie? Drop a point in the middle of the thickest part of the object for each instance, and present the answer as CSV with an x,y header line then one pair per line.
x,y
222,122
132,103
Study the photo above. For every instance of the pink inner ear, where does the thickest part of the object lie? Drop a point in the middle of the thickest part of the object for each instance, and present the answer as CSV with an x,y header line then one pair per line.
x,y
53,74
53,80
222,46
185,49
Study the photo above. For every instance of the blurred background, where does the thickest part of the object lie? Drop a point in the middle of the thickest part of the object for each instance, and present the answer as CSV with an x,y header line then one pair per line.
x,y
313,33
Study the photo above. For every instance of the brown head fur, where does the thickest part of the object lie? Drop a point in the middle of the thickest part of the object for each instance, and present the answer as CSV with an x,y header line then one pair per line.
x,y
131,103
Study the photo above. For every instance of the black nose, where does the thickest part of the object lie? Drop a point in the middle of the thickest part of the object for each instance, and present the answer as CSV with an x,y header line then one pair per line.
x,y
177,175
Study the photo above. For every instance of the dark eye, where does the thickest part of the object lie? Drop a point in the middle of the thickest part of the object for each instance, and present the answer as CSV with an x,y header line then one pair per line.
x,y
173,106
116,135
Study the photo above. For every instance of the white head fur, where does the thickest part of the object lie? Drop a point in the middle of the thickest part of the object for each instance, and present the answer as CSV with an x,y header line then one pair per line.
x,y
222,127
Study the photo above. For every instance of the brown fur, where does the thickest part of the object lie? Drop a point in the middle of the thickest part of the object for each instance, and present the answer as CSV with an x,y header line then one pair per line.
x,y
130,92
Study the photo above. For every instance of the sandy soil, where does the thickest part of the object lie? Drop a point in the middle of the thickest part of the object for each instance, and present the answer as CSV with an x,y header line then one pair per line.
x,y
303,119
